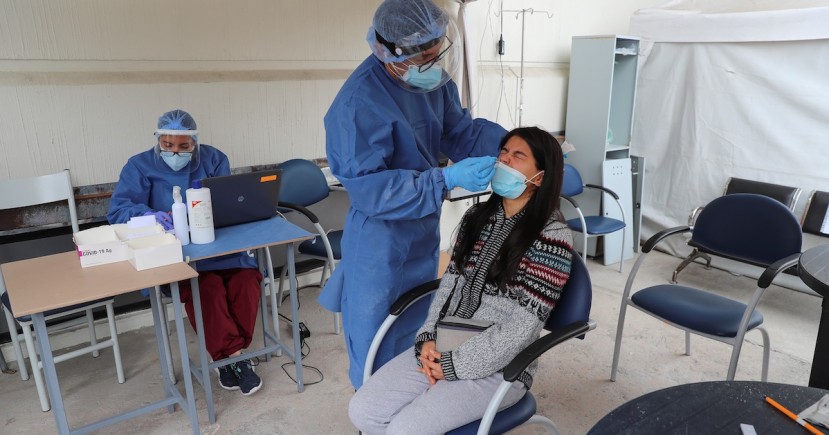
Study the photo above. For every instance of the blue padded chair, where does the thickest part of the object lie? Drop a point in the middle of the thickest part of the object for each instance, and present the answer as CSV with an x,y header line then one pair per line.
x,y
787,196
591,226
571,318
304,184
750,228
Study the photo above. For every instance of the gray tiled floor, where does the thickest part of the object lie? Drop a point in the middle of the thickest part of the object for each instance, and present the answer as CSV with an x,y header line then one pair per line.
x,y
572,386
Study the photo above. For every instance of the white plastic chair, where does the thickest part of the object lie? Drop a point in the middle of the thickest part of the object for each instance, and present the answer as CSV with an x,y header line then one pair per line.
x,y
25,192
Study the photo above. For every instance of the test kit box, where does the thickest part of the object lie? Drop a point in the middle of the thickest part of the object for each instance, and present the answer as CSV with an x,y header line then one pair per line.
x,y
100,245
144,247
154,251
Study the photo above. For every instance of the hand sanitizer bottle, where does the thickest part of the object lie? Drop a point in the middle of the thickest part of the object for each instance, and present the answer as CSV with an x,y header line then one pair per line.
x,y
180,217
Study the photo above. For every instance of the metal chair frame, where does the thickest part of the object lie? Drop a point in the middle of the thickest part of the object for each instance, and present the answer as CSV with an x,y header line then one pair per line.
x,y
785,245
573,186
304,184
568,320
786,195
33,191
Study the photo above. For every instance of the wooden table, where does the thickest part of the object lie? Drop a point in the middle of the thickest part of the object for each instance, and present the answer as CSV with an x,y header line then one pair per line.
x,y
56,281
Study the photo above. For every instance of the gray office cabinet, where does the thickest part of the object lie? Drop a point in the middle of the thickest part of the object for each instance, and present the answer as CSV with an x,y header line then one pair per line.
x,y
600,101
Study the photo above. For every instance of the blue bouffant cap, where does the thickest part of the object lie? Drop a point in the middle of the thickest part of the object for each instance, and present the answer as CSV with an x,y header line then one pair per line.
x,y
176,120
402,28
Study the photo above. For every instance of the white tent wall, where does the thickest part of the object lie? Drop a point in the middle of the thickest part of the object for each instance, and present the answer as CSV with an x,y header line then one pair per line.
x,y
730,89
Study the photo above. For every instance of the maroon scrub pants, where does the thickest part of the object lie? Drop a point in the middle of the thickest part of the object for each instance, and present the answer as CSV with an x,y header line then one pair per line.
x,y
229,305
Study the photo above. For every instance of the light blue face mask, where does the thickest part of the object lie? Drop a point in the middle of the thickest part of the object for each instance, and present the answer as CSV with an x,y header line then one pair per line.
x,y
176,161
508,182
429,79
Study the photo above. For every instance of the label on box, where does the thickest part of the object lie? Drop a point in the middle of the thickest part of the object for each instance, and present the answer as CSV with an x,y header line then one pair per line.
x,y
99,245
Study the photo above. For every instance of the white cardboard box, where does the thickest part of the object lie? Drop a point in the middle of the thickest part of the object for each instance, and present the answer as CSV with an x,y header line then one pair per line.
x,y
111,243
154,251
126,232
100,245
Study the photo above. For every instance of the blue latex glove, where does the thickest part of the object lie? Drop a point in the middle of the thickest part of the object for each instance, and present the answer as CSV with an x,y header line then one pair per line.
x,y
471,173
163,218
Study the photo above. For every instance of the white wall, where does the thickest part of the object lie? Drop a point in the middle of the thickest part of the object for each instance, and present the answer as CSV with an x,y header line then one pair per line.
x,y
82,82
547,41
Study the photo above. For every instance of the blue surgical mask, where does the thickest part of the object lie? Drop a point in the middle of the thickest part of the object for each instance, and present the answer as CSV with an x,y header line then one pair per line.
x,y
428,79
176,161
508,182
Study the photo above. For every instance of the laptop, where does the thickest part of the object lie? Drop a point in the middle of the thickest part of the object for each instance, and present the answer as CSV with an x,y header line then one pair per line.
x,y
242,198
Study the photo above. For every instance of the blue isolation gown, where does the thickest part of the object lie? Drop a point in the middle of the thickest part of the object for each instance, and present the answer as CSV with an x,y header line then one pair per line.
x,y
146,183
383,143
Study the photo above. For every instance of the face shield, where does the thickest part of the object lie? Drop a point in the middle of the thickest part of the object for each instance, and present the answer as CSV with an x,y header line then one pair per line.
x,y
418,41
177,147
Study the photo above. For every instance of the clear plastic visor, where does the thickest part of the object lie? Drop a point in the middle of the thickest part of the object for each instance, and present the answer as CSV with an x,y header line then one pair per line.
x,y
177,150
421,64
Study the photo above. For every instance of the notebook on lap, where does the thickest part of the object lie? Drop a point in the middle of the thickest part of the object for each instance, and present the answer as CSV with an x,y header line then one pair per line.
x,y
241,198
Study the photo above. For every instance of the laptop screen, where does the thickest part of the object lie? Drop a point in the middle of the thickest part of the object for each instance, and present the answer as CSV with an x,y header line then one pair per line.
x,y
245,197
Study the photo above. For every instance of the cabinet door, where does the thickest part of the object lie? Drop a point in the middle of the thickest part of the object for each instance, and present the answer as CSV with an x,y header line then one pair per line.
x,y
617,177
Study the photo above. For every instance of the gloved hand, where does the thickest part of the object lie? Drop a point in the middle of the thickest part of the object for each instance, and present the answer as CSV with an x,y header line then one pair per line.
x,y
163,218
471,173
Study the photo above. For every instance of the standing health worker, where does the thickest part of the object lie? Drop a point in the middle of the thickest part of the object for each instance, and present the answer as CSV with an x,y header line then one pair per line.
x,y
385,131
228,285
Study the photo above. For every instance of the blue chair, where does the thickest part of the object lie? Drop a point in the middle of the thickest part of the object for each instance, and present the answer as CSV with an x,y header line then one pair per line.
x,y
303,185
571,318
750,228
787,196
591,226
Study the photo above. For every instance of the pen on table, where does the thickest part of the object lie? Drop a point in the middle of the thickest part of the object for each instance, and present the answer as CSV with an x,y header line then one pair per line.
x,y
794,417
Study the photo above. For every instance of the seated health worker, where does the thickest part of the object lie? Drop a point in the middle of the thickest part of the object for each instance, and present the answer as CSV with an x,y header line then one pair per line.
x,y
384,135
229,285
510,261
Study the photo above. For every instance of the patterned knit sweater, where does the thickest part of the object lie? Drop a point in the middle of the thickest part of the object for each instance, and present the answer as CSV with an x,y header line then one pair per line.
x,y
518,312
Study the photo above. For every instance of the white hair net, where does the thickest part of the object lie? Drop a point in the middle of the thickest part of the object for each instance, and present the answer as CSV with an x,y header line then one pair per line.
x,y
404,29
177,123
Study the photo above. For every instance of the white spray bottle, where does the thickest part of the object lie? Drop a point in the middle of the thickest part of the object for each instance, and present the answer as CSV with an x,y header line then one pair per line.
x,y
180,217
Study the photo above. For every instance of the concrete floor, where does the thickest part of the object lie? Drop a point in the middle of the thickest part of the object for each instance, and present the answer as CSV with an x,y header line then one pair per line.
x,y
572,385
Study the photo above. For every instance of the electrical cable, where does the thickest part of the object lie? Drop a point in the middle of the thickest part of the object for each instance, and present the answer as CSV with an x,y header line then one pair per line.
x,y
304,366
303,344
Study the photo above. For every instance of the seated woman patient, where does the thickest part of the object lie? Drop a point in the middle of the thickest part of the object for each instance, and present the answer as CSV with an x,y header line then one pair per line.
x,y
509,264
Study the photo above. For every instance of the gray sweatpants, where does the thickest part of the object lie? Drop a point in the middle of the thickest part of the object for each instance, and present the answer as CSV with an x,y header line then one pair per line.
x,y
398,400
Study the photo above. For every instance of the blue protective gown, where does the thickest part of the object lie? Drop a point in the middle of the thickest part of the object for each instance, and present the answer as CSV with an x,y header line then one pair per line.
x,y
146,183
383,144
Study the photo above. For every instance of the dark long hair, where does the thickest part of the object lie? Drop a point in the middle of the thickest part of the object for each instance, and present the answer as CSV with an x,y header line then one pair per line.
x,y
543,205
